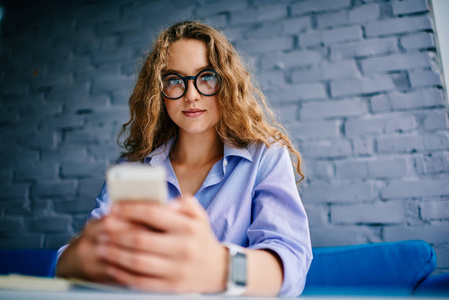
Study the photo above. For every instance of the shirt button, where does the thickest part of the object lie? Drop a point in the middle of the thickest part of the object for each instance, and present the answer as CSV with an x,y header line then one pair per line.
x,y
225,162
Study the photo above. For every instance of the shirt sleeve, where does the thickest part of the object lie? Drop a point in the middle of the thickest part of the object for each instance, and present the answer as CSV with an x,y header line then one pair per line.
x,y
101,209
279,221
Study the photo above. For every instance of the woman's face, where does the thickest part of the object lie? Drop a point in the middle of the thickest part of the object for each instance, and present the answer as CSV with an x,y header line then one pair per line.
x,y
194,113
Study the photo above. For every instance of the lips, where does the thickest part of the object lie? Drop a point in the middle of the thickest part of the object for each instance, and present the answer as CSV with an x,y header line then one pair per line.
x,y
193,112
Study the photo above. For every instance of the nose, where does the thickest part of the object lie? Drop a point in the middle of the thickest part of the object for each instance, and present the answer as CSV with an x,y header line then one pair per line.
x,y
191,94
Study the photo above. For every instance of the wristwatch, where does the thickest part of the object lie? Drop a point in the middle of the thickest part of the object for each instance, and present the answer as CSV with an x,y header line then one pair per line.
x,y
237,270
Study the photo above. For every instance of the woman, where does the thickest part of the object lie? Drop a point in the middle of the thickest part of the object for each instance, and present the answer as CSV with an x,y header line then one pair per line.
x,y
195,112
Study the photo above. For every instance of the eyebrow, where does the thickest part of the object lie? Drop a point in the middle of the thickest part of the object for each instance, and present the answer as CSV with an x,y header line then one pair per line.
x,y
183,74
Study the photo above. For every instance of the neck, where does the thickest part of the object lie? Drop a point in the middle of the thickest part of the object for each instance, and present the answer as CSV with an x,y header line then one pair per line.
x,y
197,149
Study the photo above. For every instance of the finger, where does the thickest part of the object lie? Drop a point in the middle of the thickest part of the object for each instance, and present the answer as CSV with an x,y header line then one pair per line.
x,y
191,206
148,241
97,229
136,262
144,283
159,217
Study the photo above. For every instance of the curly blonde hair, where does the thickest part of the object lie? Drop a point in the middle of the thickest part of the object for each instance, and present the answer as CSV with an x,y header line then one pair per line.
x,y
243,108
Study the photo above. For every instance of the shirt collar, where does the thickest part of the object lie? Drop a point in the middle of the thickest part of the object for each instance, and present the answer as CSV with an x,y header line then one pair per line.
x,y
161,154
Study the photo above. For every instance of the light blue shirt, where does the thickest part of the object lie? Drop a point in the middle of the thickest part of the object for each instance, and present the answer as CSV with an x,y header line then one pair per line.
x,y
251,198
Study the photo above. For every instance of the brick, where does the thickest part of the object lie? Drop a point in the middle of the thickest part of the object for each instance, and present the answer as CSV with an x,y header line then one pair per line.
x,y
418,41
76,206
436,141
398,25
332,109
415,188
263,45
110,152
436,120
119,98
63,122
333,19
343,236
217,21
112,83
339,69
318,170
266,30
425,78
350,169
18,157
409,7
318,6
55,241
292,59
261,14
87,104
6,175
65,153
395,62
361,86
363,13
90,187
87,169
24,241
423,98
109,115
314,130
16,191
123,25
391,212
326,149
399,143
340,192
297,25
37,172
272,79
220,7
50,224
378,125
11,225
330,36
297,92
388,168
434,210
442,252
317,215
433,234
88,136
55,189
41,140
363,146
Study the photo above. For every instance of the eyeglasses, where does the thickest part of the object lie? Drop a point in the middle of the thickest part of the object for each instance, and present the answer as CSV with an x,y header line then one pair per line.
x,y
206,82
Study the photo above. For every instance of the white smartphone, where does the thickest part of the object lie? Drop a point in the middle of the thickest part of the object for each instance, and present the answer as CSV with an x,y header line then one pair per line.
x,y
136,182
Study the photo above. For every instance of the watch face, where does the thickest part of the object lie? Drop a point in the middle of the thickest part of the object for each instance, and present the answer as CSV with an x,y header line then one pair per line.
x,y
240,269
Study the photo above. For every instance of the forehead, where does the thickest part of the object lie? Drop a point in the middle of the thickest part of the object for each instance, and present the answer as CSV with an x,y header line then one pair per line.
x,y
187,56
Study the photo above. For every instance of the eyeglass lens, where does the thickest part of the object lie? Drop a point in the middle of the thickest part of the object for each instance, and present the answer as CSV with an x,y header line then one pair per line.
x,y
206,82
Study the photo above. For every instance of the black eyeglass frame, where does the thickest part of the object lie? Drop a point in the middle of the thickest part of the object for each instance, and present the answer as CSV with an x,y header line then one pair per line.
x,y
194,78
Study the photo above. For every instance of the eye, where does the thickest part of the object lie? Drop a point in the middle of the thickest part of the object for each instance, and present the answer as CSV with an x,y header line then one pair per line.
x,y
173,80
207,77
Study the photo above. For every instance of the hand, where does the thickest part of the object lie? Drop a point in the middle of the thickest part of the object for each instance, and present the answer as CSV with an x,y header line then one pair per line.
x,y
81,260
170,249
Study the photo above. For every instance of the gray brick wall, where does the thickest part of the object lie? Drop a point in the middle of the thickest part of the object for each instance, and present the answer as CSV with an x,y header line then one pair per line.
x,y
356,83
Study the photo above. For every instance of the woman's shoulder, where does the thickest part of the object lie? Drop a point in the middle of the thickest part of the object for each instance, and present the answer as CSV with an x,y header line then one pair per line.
x,y
272,150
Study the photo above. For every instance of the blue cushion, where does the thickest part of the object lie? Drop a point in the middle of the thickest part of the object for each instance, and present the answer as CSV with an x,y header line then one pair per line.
x,y
380,268
28,262
435,285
